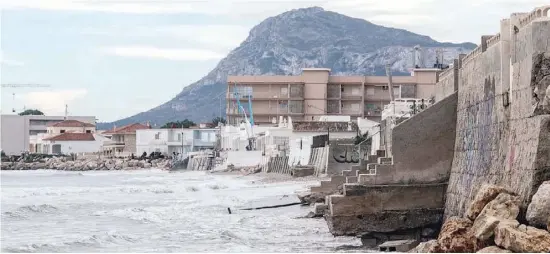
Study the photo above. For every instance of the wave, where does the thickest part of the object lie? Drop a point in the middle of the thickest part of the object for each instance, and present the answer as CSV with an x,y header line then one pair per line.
x,y
100,240
24,211
142,190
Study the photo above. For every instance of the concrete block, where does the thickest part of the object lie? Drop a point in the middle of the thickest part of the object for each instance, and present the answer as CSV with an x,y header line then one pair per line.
x,y
338,179
315,189
302,171
385,160
351,179
386,221
349,172
360,199
381,153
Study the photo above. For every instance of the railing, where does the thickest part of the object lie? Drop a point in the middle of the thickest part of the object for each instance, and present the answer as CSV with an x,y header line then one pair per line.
x,y
113,143
493,40
470,56
268,95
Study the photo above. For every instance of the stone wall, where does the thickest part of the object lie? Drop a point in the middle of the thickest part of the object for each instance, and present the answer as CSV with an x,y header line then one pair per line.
x,y
498,140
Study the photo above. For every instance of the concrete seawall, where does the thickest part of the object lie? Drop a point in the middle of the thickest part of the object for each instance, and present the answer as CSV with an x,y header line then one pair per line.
x,y
500,139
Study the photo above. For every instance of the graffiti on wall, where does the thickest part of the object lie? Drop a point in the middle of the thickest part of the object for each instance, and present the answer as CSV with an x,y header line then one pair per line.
x,y
349,153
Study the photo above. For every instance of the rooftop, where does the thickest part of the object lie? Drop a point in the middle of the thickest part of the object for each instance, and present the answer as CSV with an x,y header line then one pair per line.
x,y
70,136
128,129
71,123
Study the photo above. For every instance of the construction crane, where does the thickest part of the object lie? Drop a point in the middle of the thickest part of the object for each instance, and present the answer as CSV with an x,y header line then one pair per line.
x,y
249,122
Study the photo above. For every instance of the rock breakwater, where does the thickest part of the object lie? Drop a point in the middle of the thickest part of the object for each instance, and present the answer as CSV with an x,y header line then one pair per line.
x,y
85,164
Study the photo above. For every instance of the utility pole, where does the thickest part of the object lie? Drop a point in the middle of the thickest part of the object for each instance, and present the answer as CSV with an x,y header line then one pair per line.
x,y
66,111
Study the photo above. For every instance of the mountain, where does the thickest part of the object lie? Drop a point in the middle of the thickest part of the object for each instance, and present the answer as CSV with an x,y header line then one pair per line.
x,y
286,43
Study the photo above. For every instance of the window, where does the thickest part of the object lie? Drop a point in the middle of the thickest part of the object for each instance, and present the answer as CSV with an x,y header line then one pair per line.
x,y
355,91
88,131
355,107
62,131
385,88
179,136
370,90
342,89
284,90
157,135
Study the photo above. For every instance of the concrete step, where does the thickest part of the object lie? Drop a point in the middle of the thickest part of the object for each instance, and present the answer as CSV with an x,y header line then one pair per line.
x,y
360,199
315,189
381,174
385,160
351,172
351,179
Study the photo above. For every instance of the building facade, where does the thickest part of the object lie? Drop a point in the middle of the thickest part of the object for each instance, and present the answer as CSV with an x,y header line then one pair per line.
x,y
316,93
123,140
69,136
175,140
16,130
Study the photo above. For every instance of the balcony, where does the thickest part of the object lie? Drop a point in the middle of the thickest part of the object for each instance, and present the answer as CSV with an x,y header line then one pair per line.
x,y
113,143
268,96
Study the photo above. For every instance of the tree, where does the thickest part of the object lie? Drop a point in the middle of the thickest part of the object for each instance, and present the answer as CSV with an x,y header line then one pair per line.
x,y
217,120
32,112
178,124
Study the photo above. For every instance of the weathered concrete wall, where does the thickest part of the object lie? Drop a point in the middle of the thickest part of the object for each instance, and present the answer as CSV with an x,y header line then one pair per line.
x,y
342,155
495,142
447,84
423,145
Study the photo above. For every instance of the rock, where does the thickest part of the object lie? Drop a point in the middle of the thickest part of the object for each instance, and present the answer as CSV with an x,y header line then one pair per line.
x,y
484,195
538,211
522,238
431,246
456,236
493,249
503,207
312,198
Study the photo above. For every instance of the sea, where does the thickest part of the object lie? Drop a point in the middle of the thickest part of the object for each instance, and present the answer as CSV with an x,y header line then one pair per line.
x,y
157,211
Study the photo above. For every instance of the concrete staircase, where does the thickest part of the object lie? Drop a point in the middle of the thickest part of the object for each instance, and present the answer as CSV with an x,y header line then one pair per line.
x,y
367,167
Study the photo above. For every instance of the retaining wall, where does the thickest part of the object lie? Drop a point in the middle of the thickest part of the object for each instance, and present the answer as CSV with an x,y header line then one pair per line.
x,y
498,139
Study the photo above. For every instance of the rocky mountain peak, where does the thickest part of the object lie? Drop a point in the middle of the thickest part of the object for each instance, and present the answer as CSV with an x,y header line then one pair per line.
x,y
296,39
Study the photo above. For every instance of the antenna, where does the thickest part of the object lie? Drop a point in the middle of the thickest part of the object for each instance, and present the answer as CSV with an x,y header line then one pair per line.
x,y
66,111
13,109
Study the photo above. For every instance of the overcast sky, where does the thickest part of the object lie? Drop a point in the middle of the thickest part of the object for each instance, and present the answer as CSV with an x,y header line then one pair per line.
x,y
116,58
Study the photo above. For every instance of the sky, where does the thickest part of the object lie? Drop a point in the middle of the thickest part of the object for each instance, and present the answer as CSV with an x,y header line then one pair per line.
x,y
115,58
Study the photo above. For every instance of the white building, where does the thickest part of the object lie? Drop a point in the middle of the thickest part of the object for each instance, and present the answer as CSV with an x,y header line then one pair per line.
x,y
66,137
175,140
69,142
16,130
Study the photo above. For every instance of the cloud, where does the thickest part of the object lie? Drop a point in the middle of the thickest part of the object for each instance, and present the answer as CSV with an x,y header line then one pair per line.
x,y
8,61
206,36
53,102
175,54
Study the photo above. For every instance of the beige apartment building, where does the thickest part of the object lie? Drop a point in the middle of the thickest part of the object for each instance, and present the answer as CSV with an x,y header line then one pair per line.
x,y
315,93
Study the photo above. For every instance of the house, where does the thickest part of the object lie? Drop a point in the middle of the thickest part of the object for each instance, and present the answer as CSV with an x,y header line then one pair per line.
x,y
68,136
72,142
175,140
123,139
18,131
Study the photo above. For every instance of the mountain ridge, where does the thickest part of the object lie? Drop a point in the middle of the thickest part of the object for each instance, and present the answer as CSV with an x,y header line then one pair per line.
x,y
296,39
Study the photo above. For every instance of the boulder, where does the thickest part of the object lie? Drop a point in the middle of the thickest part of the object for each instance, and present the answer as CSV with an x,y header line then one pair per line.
x,y
484,195
456,236
493,249
504,207
522,238
312,198
431,246
538,211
